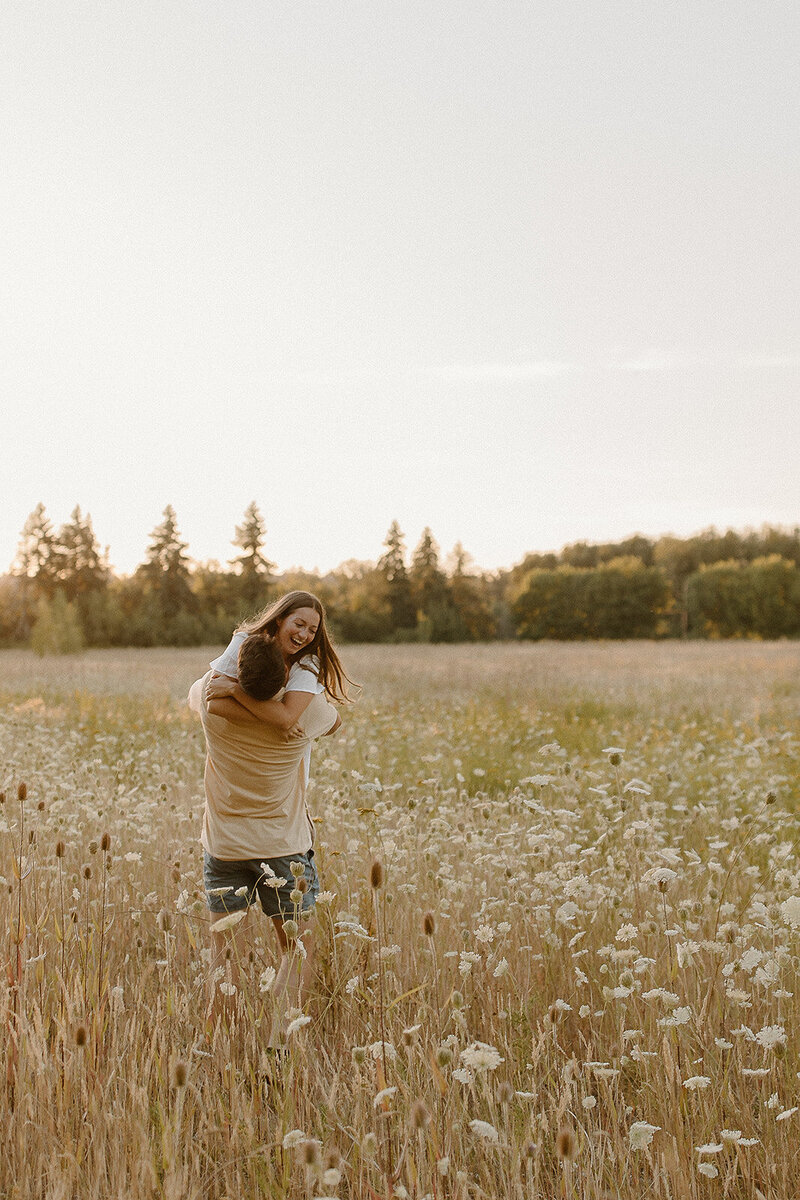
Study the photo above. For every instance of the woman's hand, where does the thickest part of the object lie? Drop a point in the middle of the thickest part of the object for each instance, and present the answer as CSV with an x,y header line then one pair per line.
x,y
220,686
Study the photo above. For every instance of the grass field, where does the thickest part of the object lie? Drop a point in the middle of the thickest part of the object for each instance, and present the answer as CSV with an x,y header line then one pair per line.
x,y
578,978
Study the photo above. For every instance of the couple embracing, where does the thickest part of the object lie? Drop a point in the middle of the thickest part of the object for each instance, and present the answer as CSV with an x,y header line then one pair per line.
x,y
262,704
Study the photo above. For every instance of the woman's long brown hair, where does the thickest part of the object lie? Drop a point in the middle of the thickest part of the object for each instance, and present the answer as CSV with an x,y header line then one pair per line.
x,y
332,674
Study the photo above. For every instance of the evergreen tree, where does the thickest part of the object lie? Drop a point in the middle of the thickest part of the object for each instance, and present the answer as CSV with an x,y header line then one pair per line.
x,y
82,568
255,570
38,556
396,585
165,573
428,581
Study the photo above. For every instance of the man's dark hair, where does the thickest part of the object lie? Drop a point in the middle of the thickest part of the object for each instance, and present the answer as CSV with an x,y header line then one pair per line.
x,y
262,671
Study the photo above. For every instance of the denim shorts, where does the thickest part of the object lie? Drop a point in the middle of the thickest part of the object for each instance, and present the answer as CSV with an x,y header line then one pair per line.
x,y
235,885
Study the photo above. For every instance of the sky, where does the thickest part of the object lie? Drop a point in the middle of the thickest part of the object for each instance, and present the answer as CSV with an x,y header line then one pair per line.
x,y
526,273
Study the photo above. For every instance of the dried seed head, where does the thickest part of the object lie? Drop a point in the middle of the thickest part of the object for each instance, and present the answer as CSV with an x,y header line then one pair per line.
x,y
529,1150
302,886
444,1055
40,806
505,1092
179,1074
420,1117
22,793
297,869
358,1055
60,848
164,921
771,797
566,1144
428,925
309,1153
80,1035
376,875
87,872
105,842
291,929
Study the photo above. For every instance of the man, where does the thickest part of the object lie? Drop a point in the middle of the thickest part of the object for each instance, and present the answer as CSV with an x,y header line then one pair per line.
x,y
257,831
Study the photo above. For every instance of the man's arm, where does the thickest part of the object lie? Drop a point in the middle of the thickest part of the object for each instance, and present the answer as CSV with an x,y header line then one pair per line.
x,y
231,710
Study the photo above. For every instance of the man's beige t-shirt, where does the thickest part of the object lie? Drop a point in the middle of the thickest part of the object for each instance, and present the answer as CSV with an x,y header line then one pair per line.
x,y
255,786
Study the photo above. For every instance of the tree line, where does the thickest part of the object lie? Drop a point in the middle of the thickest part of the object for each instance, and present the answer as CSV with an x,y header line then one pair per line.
x,y
60,593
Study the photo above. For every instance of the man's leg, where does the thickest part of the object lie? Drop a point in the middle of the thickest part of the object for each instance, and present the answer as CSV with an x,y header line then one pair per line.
x,y
230,951
292,980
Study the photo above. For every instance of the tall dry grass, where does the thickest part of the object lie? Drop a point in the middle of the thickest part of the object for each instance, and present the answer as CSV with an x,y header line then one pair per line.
x,y
575,973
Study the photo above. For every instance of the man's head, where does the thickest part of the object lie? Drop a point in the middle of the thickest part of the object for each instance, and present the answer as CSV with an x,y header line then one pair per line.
x,y
262,670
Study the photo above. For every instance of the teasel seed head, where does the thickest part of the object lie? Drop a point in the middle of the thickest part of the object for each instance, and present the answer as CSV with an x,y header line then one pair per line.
x,y
80,1035
22,793
420,1117
105,842
60,848
566,1144
179,1075
428,924
376,875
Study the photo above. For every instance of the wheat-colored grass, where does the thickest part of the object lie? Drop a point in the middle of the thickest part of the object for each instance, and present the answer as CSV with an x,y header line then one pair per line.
x,y
582,953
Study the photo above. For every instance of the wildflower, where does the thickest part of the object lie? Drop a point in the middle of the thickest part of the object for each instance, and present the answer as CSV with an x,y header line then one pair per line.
x,y
660,876
378,1049
483,1129
697,1083
567,912
640,1134
443,1165
296,1024
462,1075
352,984
710,1148
481,1057
293,1138
383,1095
326,897
589,1102
790,911
501,969
787,1112
730,1135
755,1072
771,1036
388,952
227,989
709,1170
626,933
228,921
266,979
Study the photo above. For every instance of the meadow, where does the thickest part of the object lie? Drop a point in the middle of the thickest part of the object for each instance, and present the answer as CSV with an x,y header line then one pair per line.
x,y
573,974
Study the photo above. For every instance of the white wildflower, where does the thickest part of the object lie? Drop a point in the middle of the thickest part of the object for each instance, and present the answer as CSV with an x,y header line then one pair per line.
x,y
293,1138
484,1130
227,989
567,912
383,1095
697,1083
730,1135
710,1148
787,1112
501,969
352,985
228,921
640,1134
771,1036
481,1057
790,911
626,933
296,1024
266,979
708,1169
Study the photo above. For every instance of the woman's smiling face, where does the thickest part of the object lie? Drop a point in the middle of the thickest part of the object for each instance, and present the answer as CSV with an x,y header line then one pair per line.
x,y
297,630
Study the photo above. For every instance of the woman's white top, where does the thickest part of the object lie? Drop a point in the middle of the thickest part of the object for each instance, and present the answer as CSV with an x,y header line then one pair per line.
x,y
302,676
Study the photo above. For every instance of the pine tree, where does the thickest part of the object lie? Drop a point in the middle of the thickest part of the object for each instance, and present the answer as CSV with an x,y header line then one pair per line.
x,y
38,555
428,581
166,568
82,568
255,570
397,587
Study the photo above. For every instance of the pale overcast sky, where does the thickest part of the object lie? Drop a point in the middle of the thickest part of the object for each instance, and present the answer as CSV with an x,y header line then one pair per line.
x,y
527,273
